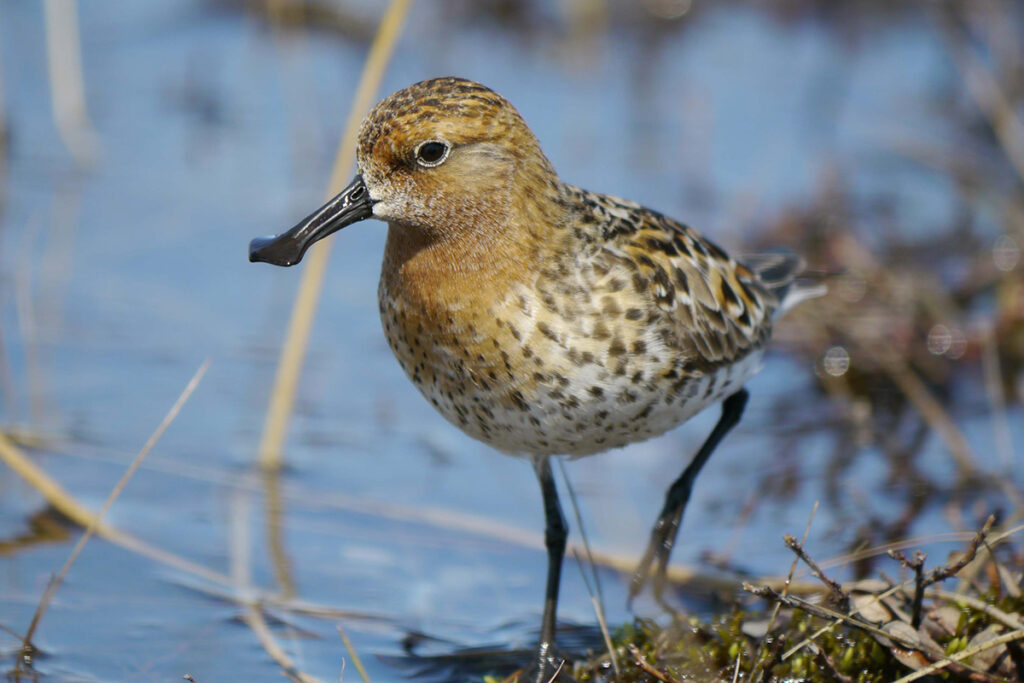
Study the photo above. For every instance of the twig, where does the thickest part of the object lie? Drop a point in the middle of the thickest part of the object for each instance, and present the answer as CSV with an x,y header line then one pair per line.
x,y
855,622
943,572
647,668
827,613
293,352
757,671
842,600
917,564
1006,638
828,627
54,584
353,654
972,550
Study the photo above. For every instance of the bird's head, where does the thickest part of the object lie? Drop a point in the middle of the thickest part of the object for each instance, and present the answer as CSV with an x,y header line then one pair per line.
x,y
441,158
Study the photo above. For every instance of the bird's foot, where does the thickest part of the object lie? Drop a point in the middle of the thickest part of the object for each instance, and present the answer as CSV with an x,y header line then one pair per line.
x,y
653,565
548,666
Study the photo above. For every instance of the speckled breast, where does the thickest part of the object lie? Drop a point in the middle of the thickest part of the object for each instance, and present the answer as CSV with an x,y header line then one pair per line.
x,y
528,383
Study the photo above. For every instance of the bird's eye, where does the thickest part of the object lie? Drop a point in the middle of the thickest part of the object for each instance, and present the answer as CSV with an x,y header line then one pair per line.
x,y
432,153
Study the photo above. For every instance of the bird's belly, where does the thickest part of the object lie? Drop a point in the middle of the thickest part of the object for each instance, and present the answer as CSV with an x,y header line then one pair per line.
x,y
525,394
577,421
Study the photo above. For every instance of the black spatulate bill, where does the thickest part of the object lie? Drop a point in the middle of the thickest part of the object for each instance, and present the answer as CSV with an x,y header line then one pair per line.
x,y
351,205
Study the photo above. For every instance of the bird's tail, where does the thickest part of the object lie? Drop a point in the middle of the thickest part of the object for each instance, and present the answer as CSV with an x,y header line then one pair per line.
x,y
784,274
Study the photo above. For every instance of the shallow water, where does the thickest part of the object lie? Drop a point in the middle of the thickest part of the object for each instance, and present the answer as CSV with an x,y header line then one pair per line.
x,y
116,282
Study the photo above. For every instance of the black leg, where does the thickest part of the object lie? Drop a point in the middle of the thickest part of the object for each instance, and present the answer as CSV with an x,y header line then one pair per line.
x,y
555,533
663,535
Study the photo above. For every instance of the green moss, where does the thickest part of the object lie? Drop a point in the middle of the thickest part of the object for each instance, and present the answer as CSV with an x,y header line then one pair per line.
x,y
693,650
697,650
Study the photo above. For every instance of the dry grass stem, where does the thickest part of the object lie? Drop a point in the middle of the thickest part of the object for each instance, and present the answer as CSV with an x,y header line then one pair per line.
x,y
64,59
915,541
962,655
999,615
51,491
11,632
992,372
69,507
293,353
557,671
756,671
253,618
25,311
596,595
353,655
646,666
274,521
252,610
928,407
437,517
828,627
605,634
984,88
574,501
823,612
7,392
4,138
94,521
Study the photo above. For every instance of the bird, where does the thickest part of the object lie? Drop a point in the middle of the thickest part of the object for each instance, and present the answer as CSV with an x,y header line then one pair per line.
x,y
541,318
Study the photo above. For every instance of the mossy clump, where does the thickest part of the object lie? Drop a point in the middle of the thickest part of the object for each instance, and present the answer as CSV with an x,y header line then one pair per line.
x,y
886,630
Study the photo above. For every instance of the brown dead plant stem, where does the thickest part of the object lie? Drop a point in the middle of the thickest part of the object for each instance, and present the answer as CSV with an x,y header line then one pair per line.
x,y
983,86
293,353
94,521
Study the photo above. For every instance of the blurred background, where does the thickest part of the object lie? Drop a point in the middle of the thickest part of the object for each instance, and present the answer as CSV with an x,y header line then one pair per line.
x,y
144,144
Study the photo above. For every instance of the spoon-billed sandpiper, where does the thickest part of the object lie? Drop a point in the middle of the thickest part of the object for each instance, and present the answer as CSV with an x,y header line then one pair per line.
x,y
536,316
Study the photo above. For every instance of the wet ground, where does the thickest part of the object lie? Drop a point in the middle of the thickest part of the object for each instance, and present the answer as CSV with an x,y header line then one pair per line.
x,y
118,279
